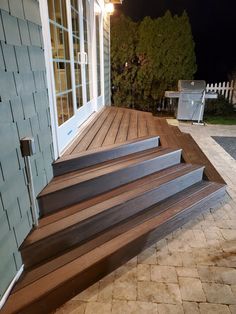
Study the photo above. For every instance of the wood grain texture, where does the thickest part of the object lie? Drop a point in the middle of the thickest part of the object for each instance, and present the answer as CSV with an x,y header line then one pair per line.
x,y
85,159
48,292
121,200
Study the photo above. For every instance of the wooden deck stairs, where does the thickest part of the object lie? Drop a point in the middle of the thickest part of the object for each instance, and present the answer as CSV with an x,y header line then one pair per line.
x,y
105,206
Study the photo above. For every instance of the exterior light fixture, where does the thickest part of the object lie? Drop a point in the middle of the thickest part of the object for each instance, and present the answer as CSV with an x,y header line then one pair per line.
x,y
117,1
109,8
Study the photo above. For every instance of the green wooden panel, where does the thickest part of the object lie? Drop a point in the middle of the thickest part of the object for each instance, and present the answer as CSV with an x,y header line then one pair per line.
x,y
34,34
41,101
24,32
36,59
2,36
28,105
18,259
9,57
1,205
31,8
24,202
45,140
7,85
11,29
39,161
10,164
40,82
28,82
7,275
21,110
34,123
5,112
17,109
2,63
4,225
24,128
43,121
12,188
8,138
7,247
13,214
16,8
22,229
22,57
4,5
18,83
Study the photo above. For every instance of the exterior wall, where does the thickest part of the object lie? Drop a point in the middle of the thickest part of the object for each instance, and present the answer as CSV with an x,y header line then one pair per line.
x,y
106,42
24,111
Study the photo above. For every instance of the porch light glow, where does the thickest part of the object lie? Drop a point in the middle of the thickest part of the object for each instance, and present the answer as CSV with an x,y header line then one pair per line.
x,y
109,8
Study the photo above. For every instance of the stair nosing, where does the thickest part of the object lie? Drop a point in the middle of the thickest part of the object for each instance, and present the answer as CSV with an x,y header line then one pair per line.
x,y
102,197
103,149
141,191
145,158
203,185
84,262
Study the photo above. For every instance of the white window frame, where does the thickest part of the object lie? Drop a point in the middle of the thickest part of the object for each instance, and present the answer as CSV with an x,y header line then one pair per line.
x,y
60,141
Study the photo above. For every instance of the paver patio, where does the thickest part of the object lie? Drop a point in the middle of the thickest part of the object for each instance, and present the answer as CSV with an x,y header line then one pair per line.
x,y
193,270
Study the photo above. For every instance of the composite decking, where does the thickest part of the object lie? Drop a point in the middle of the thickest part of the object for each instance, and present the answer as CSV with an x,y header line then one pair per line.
x,y
128,180
115,125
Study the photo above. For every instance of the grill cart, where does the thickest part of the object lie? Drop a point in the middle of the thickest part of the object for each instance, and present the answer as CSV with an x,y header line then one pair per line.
x,y
191,95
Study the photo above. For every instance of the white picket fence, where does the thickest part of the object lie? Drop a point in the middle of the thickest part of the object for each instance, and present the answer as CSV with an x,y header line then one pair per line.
x,y
227,89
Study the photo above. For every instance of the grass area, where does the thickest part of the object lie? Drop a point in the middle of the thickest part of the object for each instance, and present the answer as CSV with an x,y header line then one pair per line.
x,y
226,120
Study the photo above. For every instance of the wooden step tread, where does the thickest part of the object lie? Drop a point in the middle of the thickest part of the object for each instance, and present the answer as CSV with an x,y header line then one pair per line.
x,y
152,182
66,281
115,146
47,267
79,176
70,163
191,152
70,210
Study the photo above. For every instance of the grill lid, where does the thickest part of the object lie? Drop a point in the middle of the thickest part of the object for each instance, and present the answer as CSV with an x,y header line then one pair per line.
x,y
191,86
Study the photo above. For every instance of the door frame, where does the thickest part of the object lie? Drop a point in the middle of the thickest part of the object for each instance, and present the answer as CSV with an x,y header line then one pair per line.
x,y
96,103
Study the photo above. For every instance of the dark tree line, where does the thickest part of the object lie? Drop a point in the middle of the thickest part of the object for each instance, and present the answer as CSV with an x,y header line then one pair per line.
x,y
148,58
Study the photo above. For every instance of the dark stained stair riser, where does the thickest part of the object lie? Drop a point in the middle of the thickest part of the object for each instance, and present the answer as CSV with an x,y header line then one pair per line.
x,y
79,161
118,229
83,190
106,206
78,232
117,256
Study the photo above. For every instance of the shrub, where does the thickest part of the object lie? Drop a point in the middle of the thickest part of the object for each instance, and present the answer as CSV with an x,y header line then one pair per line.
x,y
220,106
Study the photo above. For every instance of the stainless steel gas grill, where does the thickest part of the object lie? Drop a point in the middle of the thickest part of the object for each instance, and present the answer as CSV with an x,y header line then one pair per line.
x,y
191,95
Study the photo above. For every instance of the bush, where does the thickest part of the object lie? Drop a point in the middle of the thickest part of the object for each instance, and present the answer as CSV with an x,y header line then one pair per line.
x,y
220,106
148,58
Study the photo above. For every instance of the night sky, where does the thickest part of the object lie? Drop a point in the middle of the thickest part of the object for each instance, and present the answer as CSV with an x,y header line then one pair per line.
x,y
213,25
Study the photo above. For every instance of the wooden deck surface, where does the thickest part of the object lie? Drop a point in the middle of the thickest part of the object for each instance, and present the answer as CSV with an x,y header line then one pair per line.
x,y
115,125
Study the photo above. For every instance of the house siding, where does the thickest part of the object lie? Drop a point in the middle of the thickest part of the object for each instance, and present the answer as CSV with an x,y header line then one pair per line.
x,y
106,42
24,111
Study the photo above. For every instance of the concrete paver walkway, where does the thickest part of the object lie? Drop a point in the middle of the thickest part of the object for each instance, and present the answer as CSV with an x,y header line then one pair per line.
x,y
193,270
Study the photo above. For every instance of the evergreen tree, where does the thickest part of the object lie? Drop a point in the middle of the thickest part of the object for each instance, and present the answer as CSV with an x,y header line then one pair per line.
x,y
123,59
149,58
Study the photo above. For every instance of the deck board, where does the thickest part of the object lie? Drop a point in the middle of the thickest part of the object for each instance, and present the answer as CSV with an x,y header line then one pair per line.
x,y
87,139
118,125
123,129
133,126
101,134
111,135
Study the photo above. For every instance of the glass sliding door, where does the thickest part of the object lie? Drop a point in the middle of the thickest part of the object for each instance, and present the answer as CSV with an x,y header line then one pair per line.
x,y
75,19
99,53
71,65
87,49
61,60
